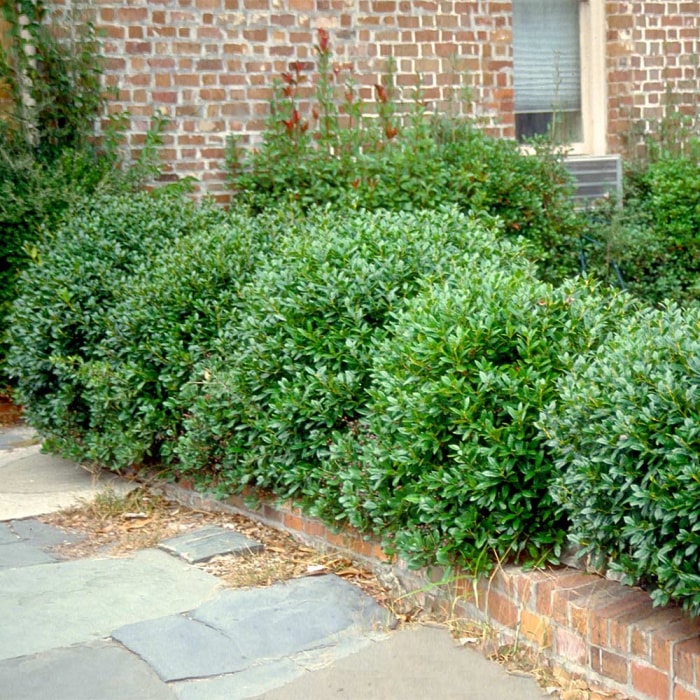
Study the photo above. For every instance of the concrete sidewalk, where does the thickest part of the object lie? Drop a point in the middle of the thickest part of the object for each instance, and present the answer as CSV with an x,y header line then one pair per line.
x,y
154,626
32,483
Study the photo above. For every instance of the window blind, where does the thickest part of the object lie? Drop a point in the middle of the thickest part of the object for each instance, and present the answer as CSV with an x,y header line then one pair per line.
x,y
546,55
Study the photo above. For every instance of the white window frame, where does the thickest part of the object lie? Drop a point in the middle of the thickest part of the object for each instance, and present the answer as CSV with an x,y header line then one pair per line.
x,y
594,113
594,110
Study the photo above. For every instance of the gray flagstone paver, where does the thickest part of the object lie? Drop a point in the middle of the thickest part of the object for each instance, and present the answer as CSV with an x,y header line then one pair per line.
x,y
53,605
178,647
291,617
41,534
20,554
208,542
7,536
99,671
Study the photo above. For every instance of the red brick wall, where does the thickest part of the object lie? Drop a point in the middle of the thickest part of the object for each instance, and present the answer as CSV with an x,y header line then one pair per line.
x,y
652,63
208,64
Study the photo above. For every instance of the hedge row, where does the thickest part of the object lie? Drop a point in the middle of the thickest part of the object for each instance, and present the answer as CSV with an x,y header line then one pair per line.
x,y
428,165
405,373
65,309
448,460
625,434
294,369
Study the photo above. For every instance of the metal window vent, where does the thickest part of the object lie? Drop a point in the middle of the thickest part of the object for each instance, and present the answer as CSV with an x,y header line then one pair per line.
x,y
596,177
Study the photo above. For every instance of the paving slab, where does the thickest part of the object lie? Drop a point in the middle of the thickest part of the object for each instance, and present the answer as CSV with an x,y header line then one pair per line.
x,y
29,542
54,605
32,483
42,534
183,647
99,671
7,535
291,617
412,664
17,436
239,686
208,542
20,554
178,647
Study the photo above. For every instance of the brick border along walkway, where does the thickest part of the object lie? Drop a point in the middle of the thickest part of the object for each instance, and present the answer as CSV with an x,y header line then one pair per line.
x,y
9,412
608,633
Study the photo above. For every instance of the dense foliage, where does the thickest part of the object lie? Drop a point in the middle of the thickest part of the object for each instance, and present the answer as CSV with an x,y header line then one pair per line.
x,y
426,169
294,366
626,435
51,157
65,308
654,239
162,323
407,373
447,463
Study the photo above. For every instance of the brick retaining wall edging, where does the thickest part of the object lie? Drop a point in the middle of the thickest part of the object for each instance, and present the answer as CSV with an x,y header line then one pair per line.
x,y
9,412
607,633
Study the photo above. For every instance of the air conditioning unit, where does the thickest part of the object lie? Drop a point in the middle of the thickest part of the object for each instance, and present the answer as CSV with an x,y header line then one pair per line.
x,y
596,177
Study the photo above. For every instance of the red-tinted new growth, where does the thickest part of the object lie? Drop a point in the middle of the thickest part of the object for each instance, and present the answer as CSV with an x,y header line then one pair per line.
x,y
380,92
292,122
323,40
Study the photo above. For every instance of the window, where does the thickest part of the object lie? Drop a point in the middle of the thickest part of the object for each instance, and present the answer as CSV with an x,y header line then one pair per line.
x,y
559,71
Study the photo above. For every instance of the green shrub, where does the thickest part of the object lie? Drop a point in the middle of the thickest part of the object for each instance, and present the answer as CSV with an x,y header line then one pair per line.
x,y
165,321
66,296
625,434
425,170
673,205
674,199
294,367
51,157
333,148
33,198
447,464
654,239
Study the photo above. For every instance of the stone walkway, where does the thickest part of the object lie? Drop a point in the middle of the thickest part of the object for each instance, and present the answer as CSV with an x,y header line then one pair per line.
x,y
154,626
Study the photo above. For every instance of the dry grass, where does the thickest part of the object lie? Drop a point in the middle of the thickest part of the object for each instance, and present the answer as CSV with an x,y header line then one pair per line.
x,y
115,525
